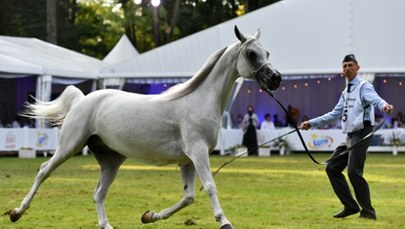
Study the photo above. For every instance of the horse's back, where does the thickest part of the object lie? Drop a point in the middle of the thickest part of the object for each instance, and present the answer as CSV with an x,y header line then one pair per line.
x,y
134,125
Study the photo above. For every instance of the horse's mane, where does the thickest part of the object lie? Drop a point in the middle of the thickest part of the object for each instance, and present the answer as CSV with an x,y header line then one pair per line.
x,y
190,85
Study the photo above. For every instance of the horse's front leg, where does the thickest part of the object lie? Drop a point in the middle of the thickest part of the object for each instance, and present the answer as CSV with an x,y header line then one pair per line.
x,y
188,175
202,165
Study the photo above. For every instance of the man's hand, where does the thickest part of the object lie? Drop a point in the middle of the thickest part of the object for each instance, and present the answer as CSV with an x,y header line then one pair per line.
x,y
388,108
305,126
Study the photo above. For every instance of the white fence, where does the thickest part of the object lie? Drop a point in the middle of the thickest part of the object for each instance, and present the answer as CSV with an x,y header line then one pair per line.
x,y
15,139
316,140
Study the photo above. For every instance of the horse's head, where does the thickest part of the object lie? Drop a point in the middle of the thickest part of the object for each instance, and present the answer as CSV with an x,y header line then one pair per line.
x,y
253,62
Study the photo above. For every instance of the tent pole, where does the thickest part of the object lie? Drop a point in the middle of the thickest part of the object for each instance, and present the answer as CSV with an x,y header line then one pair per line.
x,y
43,93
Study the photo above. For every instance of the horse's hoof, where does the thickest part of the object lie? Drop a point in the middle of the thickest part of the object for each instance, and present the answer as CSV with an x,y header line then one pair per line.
x,y
226,226
14,216
147,217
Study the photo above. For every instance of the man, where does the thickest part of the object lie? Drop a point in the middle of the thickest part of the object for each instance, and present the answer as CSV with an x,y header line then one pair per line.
x,y
356,108
267,124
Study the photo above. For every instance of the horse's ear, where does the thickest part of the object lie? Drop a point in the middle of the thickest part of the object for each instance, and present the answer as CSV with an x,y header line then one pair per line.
x,y
257,34
239,35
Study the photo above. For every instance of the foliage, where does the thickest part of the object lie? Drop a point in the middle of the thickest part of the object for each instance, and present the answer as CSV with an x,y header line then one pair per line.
x,y
282,142
94,26
255,192
99,29
235,147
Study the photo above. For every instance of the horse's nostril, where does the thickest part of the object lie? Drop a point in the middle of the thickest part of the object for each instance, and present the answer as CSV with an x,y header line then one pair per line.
x,y
275,77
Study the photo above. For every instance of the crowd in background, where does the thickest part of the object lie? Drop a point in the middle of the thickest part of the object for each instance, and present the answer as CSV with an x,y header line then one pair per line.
x,y
19,122
273,122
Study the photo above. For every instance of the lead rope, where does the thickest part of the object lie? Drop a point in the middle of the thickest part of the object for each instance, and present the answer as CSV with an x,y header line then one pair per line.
x,y
296,129
305,146
247,152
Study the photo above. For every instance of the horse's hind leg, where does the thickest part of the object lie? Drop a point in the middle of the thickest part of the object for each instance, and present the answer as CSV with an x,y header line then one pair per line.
x,y
45,170
109,161
188,175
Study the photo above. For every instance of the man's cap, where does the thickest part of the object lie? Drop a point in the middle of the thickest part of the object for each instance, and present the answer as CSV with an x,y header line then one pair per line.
x,y
349,57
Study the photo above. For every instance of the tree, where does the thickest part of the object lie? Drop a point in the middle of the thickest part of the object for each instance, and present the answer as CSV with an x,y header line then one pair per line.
x,y
93,27
51,21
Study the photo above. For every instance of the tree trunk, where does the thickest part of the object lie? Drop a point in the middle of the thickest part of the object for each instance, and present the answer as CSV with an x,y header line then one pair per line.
x,y
51,21
173,21
156,25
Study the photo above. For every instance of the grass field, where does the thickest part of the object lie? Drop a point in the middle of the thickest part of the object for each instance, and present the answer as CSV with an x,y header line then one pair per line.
x,y
274,192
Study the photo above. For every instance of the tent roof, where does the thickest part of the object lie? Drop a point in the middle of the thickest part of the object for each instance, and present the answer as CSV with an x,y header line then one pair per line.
x,y
303,37
123,50
33,56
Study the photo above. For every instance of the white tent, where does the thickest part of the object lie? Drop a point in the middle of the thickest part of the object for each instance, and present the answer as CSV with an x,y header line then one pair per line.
x,y
20,57
30,56
122,51
303,37
51,59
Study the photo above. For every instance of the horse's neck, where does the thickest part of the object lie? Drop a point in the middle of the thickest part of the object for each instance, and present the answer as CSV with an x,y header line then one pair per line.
x,y
217,87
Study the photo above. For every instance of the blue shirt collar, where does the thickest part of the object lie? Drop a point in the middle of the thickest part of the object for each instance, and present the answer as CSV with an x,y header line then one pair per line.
x,y
356,80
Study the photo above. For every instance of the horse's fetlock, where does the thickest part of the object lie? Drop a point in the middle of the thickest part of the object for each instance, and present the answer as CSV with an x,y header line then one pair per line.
x,y
219,216
189,199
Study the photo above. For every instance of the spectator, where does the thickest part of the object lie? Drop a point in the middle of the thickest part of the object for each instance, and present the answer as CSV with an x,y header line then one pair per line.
x,y
250,122
276,121
378,119
398,121
294,114
267,124
239,122
18,122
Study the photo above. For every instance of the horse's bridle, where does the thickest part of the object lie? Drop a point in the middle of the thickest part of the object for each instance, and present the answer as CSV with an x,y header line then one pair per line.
x,y
254,71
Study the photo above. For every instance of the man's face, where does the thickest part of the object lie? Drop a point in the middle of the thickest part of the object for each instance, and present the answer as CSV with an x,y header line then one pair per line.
x,y
350,69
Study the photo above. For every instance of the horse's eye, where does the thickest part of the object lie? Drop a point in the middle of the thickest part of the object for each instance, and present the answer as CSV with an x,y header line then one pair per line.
x,y
250,53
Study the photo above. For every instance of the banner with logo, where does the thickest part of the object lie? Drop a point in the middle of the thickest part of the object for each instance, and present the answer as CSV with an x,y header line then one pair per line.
x,y
13,139
317,140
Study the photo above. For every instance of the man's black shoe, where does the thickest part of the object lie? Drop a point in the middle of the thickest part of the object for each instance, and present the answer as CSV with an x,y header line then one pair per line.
x,y
346,212
364,215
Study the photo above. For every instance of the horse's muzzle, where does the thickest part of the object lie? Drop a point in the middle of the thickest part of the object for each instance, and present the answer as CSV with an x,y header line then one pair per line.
x,y
268,79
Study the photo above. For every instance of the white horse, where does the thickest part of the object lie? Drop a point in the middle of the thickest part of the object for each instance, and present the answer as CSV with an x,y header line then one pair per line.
x,y
179,126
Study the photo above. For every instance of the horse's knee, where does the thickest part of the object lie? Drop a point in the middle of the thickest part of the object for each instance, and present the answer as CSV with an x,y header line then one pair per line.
x,y
99,196
210,188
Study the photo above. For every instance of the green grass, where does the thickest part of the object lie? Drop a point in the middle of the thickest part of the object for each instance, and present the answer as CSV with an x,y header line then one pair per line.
x,y
274,192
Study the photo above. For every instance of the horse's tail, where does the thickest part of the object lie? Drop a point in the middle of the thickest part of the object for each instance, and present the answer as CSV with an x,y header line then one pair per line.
x,y
55,111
